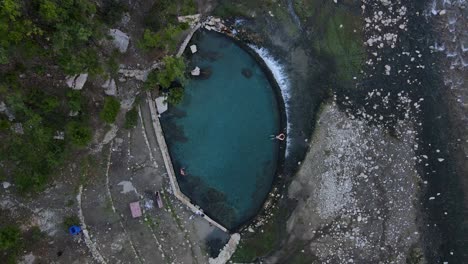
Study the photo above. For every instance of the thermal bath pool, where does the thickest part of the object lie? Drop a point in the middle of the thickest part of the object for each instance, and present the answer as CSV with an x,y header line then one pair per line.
x,y
221,132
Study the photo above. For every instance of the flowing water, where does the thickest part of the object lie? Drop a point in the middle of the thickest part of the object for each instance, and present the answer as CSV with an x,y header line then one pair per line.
x,y
221,133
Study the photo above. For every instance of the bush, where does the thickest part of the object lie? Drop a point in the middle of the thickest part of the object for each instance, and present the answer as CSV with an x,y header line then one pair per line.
x,y
110,110
131,118
10,243
175,95
79,134
74,100
174,70
71,220
10,238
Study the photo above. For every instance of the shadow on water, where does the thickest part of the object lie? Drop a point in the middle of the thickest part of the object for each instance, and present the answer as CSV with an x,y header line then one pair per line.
x,y
213,202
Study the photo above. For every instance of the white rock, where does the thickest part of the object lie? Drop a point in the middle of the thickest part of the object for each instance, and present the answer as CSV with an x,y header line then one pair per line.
x,y
77,82
193,48
2,107
120,39
6,185
196,71
440,159
161,104
110,88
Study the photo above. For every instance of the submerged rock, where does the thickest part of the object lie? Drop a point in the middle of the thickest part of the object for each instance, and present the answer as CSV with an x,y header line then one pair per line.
x,y
247,73
120,39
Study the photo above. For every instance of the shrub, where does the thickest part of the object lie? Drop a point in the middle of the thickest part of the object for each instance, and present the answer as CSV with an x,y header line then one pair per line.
x,y
10,238
79,134
10,243
71,220
110,110
131,118
175,95
74,100
174,69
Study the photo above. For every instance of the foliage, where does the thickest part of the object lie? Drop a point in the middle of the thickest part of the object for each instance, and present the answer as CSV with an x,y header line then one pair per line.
x,y
70,220
74,100
335,35
10,238
164,39
11,242
152,81
35,155
174,69
131,118
59,30
260,243
175,95
162,28
112,11
79,134
110,110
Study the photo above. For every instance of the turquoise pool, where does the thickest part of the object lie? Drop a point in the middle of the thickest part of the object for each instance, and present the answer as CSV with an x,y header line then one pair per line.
x,y
221,132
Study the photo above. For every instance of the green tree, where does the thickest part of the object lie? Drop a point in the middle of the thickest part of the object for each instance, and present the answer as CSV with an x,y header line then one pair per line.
x,y
131,118
10,238
174,70
79,134
49,11
110,110
175,95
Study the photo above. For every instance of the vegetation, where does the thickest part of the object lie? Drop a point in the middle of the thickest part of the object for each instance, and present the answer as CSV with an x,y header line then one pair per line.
x,y
110,110
162,28
79,134
262,242
61,31
131,118
70,220
11,242
174,70
175,95
337,35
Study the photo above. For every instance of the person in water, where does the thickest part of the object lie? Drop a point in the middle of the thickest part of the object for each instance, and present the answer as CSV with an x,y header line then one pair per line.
x,y
182,172
279,137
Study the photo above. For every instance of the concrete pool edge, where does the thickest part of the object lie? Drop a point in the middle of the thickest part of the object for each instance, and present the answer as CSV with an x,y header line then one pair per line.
x,y
168,164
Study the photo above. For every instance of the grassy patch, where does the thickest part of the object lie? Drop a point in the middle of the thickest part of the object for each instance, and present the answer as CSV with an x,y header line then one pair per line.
x,y
336,34
70,220
110,110
131,118
260,243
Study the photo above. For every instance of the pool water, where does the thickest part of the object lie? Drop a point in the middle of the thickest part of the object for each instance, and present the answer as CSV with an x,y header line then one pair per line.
x,y
220,134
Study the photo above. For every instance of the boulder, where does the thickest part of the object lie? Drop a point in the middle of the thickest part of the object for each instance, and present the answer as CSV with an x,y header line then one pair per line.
x,y
196,71
6,185
110,88
161,104
18,128
2,107
247,73
59,135
77,82
120,39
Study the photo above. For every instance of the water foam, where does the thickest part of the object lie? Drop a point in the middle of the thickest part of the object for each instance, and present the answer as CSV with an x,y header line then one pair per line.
x,y
279,73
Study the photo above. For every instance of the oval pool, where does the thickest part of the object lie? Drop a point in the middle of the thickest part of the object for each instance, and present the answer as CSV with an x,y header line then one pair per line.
x,y
221,132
